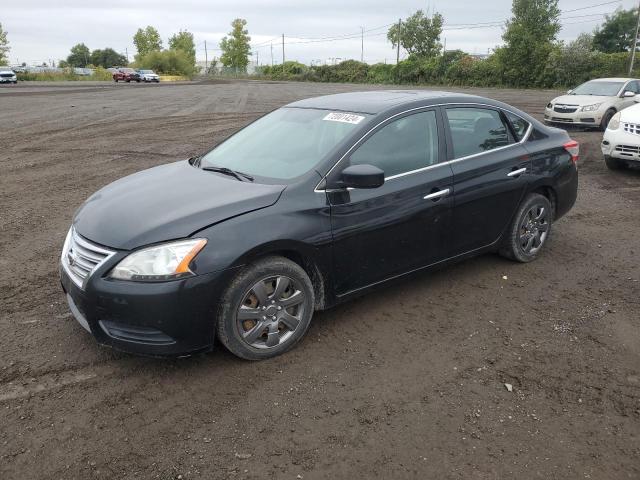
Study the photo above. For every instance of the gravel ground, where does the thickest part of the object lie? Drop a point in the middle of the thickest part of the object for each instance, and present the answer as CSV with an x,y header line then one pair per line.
x,y
408,382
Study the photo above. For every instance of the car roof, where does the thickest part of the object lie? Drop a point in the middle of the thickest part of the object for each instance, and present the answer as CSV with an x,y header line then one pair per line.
x,y
612,79
379,101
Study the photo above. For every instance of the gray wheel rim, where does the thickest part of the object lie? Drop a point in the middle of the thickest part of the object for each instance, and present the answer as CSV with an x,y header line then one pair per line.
x,y
270,312
534,228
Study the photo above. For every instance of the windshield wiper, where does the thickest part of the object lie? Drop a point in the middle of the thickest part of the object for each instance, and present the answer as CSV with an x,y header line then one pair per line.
x,y
227,171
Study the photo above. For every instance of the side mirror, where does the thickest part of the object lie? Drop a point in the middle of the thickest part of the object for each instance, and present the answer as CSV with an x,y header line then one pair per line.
x,y
362,176
628,94
569,92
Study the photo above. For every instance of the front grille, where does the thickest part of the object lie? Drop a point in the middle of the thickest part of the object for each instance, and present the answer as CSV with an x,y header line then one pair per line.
x,y
80,257
565,108
628,149
6,75
631,128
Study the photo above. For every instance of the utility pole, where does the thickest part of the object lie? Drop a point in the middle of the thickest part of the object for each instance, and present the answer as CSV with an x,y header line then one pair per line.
x,y
126,52
272,54
398,50
444,50
206,59
635,42
257,58
283,53
362,44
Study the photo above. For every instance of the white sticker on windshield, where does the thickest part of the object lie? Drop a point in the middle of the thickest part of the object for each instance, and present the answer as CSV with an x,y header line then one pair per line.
x,y
344,118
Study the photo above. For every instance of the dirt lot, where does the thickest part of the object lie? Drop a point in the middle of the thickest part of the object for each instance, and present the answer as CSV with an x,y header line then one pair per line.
x,y
408,383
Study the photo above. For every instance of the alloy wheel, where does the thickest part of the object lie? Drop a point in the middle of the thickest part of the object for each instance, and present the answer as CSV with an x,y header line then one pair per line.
x,y
270,312
534,228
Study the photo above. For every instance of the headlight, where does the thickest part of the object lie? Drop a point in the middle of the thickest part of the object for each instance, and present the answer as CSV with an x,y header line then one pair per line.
x,y
159,263
549,105
591,108
614,123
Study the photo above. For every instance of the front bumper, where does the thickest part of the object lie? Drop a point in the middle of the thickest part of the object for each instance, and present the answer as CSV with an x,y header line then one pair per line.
x,y
160,319
8,79
620,144
578,118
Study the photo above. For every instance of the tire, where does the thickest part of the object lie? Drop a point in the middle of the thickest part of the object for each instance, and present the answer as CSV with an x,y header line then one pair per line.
x,y
606,118
530,229
115,80
128,81
614,163
138,81
272,321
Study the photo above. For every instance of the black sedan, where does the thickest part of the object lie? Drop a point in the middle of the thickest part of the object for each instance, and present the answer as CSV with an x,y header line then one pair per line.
x,y
310,205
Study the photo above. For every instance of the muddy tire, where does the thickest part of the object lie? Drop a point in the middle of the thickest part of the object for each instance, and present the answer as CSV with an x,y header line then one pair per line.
x,y
530,229
266,310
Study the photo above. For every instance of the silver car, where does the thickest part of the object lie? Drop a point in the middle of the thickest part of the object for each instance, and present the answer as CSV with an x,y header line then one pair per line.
x,y
7,75
149,76
594,103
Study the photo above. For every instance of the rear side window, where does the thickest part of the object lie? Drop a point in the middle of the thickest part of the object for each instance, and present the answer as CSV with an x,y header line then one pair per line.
x,y
520,125
476,130
404,145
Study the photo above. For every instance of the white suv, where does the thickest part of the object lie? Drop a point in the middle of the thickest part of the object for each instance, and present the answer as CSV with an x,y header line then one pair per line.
x,y
593,103
7,75
621,142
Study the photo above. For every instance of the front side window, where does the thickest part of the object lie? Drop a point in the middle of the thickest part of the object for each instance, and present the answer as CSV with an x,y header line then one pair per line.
x,y
284,144
407,144
476,130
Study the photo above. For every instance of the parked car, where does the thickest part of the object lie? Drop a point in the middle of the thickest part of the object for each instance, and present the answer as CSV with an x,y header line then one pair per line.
x,y
7,75
126,75
149,76
621,141
311,205
594,103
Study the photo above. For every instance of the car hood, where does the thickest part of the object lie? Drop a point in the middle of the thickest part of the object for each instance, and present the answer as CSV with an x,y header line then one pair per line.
x,y
581,99
165,203
631,114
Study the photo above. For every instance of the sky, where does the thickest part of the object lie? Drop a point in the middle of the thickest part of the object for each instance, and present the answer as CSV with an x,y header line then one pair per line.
x,y
322,31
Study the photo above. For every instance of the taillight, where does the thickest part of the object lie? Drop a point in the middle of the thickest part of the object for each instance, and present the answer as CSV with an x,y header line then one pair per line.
x,y
573,148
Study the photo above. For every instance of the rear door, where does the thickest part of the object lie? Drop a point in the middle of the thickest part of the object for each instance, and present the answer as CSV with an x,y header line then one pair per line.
x,y
490,174
404,224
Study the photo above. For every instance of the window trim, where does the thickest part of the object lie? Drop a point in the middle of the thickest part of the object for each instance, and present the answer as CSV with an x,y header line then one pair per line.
x,y
322,189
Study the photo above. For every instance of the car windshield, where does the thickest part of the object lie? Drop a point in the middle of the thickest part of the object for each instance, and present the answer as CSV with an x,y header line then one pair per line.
x,y
285,143
145,71
606,89
127,70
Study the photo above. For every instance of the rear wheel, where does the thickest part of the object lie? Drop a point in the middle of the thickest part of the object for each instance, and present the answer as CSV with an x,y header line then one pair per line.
x,y
614,163
266,310
529,230
606,119
115,80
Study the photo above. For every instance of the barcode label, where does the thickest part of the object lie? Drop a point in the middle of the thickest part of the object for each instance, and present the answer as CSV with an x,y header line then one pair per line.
x,y
344,118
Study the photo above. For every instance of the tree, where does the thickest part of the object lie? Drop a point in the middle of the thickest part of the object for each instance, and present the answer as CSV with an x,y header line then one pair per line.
x,y
529,40
107,58
235,48
80,56
4,47
617,31
183,41
419,35
147,40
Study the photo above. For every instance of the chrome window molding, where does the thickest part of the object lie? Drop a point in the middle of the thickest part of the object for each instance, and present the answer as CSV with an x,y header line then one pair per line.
x,y
525,138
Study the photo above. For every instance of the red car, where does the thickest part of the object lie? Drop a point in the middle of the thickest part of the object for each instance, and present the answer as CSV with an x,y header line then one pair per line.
x,y
126,75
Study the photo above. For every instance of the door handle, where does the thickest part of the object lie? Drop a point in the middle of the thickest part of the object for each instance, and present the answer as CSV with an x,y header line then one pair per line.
x,y
516,173
437,195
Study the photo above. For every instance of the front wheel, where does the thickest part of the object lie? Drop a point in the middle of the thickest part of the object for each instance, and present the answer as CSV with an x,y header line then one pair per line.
x,y
529,230
606,119
266,309
614,163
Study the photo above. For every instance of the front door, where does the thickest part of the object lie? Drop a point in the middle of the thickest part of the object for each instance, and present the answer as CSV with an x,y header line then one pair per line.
x,y
404,224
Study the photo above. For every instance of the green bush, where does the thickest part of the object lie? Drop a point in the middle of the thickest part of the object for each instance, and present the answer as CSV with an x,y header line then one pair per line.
x,y
168,62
